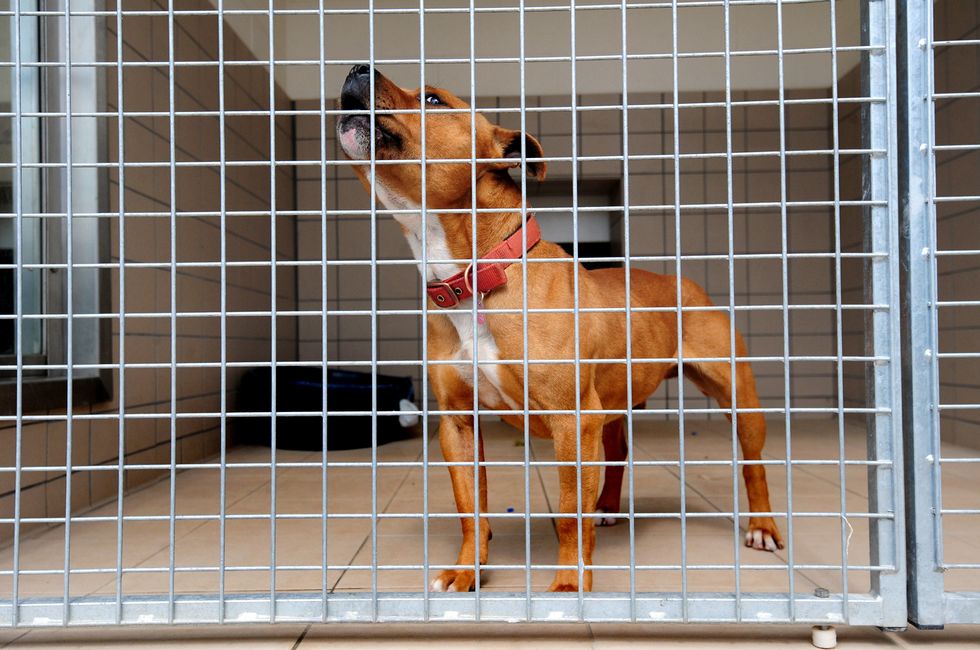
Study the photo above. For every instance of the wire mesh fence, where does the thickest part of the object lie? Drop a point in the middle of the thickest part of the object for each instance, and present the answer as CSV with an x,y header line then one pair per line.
x,y
943,160
297,292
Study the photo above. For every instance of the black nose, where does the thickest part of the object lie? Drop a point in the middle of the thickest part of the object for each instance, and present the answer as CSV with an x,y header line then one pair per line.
x,y
356,92
359,70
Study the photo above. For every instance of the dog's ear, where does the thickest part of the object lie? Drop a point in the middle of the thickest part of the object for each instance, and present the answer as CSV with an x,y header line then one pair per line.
x,y
510,145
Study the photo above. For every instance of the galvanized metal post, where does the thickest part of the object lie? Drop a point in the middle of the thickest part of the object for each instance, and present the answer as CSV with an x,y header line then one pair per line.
x,y
882,336
931,606
919,415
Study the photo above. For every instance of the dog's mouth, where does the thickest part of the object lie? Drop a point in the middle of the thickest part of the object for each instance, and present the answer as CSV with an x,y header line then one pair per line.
x,y
354,131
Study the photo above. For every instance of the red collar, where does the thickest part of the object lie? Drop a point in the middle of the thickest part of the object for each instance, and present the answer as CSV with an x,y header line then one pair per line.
x,y
450,292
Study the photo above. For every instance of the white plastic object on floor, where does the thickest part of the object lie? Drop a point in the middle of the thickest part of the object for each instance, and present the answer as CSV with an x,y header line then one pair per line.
x,y
824,636
407,419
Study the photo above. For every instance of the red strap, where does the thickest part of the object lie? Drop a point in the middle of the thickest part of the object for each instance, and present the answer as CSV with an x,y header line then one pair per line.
x,y
450,292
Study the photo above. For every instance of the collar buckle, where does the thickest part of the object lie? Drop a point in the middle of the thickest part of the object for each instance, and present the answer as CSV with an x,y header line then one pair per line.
x,y
443,295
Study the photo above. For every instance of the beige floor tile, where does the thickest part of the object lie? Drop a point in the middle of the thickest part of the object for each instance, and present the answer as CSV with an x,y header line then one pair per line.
x,y
302,493
961,473
474,640
194,644
253,454
957,550
93,546
954,637
443,549
414,526
8,636
964,528
817,440
250,636
152,499
759,571
957,493
449,526
610,636
506,492
701,581
248,544
703,517
806,505
409,449
487,635
855,479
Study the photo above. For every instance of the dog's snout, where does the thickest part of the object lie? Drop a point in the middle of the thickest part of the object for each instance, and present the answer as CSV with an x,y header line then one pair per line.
x,y
359,70
357,87
360,74
356,90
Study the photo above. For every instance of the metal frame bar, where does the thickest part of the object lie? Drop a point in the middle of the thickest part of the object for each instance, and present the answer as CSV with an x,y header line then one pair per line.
x,y
451,608
931,606
883,101
885,488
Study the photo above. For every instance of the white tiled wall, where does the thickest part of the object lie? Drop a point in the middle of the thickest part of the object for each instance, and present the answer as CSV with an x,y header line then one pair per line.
x,y
148,340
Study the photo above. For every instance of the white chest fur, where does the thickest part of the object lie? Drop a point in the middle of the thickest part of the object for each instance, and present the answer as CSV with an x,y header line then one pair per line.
x,y
488,374
437,248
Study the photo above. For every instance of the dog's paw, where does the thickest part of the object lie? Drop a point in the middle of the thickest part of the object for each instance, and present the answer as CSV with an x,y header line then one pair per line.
x,y
763,535
567,580
605,521
453,580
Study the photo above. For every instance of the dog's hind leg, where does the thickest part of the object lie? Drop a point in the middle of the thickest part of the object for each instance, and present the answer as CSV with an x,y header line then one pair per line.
x,y
715,380
707,334
614,446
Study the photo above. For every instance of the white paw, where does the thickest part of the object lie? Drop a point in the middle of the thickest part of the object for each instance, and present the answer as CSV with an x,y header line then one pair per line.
x,y
604,521
760,541
437,585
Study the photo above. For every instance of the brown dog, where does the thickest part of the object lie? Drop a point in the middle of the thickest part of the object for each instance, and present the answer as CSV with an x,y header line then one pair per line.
x,y
551,387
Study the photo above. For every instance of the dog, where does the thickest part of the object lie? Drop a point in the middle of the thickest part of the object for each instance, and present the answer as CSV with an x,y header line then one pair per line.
x,y
551,387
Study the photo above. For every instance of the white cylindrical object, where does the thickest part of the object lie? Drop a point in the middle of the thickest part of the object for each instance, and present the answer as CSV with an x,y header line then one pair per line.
x,y
824,636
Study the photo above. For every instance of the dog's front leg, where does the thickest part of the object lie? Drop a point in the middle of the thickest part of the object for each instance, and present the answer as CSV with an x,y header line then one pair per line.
x,y
456,440
566,450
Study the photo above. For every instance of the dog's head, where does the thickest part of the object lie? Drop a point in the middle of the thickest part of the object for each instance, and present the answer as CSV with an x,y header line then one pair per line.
x,y
398,136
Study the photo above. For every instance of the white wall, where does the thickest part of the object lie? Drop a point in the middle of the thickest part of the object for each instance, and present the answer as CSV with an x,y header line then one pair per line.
x,y
547,33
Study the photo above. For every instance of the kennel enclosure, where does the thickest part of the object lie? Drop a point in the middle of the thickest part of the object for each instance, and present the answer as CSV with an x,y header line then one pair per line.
x,y
177,212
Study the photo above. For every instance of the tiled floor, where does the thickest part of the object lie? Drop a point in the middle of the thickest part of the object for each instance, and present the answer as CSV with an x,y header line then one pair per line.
x,y
486,636
298,542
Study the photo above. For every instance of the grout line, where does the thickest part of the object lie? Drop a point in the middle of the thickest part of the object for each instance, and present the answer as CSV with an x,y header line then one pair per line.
x,y
152,554
102,502
711,503
16,639
302,636
367,537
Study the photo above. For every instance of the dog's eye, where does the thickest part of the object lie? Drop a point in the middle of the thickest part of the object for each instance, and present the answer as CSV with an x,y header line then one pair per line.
x,y
433,99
